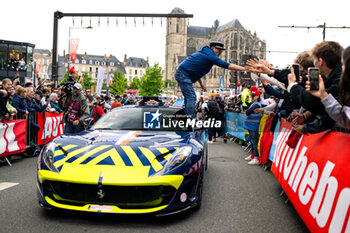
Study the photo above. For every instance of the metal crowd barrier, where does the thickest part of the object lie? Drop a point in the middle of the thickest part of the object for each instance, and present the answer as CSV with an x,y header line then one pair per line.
x,y
31,117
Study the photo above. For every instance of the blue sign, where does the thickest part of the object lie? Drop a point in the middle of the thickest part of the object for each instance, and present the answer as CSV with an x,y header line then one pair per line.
x,y
151,120
222,83
179,102
234,124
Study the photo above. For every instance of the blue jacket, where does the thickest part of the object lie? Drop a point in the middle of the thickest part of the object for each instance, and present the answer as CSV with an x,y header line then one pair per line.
x,y
55,106
18,104
199,64
253,118
32,106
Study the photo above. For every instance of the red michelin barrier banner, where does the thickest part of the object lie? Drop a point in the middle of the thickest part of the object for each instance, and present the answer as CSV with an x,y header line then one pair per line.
x,y
13,137
316,177
50,126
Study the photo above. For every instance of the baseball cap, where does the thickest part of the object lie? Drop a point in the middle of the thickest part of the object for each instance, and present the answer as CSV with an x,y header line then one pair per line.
x,y
255,92
217,44
78,86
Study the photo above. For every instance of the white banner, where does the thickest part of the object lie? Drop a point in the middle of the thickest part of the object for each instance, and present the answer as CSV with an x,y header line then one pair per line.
x,y
101,75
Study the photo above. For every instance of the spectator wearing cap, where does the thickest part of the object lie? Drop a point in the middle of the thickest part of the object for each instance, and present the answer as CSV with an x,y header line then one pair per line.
x,y
76,111
38,95
194,67
246,97
252,125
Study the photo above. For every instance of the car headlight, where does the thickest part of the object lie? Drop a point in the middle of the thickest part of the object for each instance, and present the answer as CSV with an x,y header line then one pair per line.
x,y
178,158
47,156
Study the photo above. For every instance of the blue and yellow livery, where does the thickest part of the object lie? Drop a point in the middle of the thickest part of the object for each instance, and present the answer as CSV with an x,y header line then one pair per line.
x,y
134,160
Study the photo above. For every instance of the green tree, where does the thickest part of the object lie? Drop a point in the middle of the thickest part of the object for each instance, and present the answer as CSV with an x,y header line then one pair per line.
x,y
169,83
87,81
64,80
135,84
119,84
151,83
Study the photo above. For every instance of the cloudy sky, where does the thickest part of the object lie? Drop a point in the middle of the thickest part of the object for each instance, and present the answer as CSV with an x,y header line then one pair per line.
x,y
32,21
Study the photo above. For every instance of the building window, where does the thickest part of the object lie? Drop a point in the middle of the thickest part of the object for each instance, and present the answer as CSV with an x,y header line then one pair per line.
x,y
83,62
90,62
141,72
76,61
90,69
45,62
96,69
111,63
130,78
177,27
83,69
97,63
135,72
130,71
103,63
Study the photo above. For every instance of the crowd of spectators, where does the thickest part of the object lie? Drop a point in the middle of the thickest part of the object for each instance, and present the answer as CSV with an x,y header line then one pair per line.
x,y
280,94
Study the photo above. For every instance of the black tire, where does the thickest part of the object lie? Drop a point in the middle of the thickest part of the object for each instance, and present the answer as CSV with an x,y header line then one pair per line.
x,y
206,157
199,191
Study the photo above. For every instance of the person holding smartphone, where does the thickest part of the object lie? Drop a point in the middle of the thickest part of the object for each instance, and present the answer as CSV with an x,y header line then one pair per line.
x,y
327,58
338,111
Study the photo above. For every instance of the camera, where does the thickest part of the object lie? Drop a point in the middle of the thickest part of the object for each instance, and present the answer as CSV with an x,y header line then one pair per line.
x,y
313,75
68,86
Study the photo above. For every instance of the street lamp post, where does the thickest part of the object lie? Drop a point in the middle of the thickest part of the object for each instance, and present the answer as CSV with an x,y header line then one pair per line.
x,y
70,28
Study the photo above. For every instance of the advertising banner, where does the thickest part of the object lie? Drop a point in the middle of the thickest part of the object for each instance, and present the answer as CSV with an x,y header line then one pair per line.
x,y
100,77
315,176
51,126
234,124
13,137
73,49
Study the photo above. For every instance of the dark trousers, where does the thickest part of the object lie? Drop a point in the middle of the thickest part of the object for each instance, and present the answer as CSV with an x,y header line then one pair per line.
x,y
70,128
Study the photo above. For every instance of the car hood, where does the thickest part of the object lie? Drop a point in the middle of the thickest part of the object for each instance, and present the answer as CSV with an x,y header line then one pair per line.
x,y
148,150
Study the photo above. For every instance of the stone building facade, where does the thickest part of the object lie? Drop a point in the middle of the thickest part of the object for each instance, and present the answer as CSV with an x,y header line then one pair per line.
x,y
182,40
135,67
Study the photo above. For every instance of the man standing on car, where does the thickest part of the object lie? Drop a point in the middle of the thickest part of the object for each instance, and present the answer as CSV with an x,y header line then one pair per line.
x,y
76,112
194,67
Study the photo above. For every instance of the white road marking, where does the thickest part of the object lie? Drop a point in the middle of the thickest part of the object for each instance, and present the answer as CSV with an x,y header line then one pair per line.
x,y
6,185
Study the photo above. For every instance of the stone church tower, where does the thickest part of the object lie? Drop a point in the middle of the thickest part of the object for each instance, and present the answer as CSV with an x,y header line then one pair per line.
x,y
182,40
176,42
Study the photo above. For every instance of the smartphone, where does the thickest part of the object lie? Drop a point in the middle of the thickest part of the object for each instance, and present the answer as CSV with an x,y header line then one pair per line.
x,y
296,68
245,58
313,75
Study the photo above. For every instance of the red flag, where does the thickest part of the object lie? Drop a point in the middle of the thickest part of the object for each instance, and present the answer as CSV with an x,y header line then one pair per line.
x,y
73,49
37,69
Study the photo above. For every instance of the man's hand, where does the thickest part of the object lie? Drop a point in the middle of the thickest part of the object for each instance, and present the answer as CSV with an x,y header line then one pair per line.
x,y
261,110
298,128
297,118
76,122
272,114
291,76
321,92
259,68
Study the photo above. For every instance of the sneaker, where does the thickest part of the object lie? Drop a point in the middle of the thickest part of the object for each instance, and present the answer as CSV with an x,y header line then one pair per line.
x,y
248,158
210,142
254,162
214,139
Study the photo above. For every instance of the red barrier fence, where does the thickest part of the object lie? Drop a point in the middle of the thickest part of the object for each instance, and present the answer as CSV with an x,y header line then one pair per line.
x,y
13,137
50,126
316,177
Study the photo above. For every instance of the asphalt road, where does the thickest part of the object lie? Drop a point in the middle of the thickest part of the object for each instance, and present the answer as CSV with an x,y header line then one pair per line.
x,y
237,198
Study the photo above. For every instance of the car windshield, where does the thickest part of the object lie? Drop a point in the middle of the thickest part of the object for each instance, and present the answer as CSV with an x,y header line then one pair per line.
x,y
162,119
